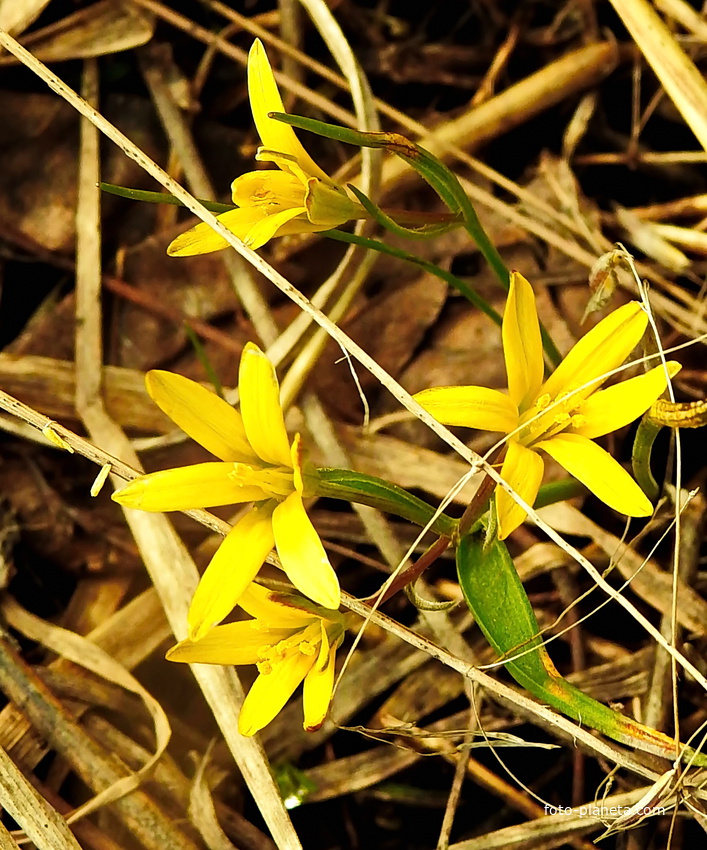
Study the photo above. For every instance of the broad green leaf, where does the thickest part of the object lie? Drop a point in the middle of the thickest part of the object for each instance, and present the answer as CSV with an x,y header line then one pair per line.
x,y
496,597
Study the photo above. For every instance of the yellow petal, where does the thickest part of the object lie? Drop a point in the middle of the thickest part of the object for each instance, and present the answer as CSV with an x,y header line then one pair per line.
x,y
273,225
202,239
599,472
265,98
287,163
270,692
273,609
523,470
297,455
522,343
232,569
330,206
474,407
260,407
201,414
319,687
234,643
603,349
270,190
616,406
302,555
202,485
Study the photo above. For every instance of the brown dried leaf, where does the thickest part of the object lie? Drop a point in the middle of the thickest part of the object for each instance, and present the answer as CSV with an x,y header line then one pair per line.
x,y
389,326
102,28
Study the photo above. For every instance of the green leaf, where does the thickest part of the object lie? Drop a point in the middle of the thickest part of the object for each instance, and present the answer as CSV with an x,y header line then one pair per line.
x,y
158,197
368,490
497,599
501,608
426,231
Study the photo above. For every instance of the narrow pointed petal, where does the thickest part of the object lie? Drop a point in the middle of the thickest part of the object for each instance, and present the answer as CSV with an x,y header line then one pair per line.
x,y
599,472
302,555
287,163
265,98
474,407
523,470
202,485
268,190
202,239
270,692
616,406
603,349
201,414
260,407
522,343
273,224
232,569
319,687
272,608
234,643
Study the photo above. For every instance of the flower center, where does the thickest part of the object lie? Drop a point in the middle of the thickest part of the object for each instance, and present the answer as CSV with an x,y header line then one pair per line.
x,y
276,481
548,417
305,641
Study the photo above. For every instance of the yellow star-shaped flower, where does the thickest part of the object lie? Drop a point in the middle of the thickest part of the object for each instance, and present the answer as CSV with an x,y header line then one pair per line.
x,y
257,464
562,415
300,198
289,639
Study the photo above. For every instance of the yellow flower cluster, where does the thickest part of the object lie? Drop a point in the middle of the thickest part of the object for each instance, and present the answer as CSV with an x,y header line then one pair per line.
x,y
300,198
293,638
256,464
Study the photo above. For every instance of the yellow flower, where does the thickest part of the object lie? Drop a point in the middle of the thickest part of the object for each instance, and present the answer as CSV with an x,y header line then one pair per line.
x,y
562,415
257,464
290,640
300,198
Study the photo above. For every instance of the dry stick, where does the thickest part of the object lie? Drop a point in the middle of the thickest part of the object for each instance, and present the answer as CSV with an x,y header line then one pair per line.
x,y
158,308
460,770
654,712
171,568
7,842
337,334
662,674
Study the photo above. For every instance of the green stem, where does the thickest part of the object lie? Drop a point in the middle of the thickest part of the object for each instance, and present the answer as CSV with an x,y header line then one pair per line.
x,y
350,486
448,277
159,197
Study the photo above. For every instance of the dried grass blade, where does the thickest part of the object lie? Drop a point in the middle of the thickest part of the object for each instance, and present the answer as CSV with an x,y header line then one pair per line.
x,y
679,76
86,654
98,769
45,827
